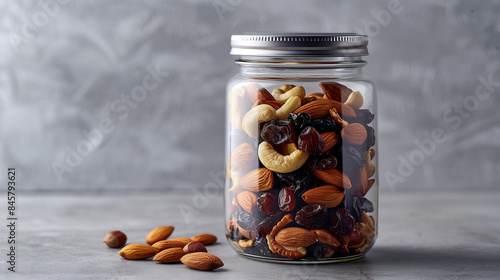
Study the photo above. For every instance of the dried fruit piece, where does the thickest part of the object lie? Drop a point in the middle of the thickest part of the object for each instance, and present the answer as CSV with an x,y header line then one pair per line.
x,y
172,243
364,116
202,261
279,163
342,222
286,200
278,132
324,124
159,233
115,239
307,99
328,195
335,91
298,181
258,180
354,133
355,100
312,216
310,141
300,121
171,255
205,238
323,162
138,251
333,176
267,203
295,237
193,247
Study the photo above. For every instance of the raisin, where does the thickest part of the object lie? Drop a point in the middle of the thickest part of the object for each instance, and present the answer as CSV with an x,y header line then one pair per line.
x,y
278,132
298,181
364,116
370,138
324,124
323,162
312,216
266,225
286,200
342,222
310,141
267,203
300,121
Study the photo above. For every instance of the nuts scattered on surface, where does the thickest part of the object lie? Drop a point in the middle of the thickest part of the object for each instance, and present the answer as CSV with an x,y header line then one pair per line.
x,y
171,255
172,243
205,238
115,239
159,233
194,246
138,251
202,261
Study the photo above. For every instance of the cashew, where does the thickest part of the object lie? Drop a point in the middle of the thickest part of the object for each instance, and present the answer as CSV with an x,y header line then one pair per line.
x,y
246,243
370,167
290,105
277,162
236,106
355,100
282,96
255,116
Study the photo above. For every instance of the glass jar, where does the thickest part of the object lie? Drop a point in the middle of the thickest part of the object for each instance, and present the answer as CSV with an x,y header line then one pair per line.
x,y
302,182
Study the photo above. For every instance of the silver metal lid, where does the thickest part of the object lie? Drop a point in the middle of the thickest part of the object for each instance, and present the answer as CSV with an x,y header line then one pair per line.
x,y
299,44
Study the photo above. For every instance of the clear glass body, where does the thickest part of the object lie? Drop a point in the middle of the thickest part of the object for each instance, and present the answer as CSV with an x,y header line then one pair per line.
x,y
302,180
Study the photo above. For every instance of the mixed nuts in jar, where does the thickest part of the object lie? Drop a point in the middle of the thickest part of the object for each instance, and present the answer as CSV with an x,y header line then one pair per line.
x,y
301,140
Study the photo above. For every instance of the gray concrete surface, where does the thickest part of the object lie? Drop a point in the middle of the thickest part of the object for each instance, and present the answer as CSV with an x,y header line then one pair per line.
x,y
425,235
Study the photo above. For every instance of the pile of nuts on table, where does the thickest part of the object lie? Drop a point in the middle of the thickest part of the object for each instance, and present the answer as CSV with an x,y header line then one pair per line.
x,y
299,169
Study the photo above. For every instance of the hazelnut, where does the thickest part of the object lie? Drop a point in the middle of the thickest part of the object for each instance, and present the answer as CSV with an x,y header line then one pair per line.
x,y
115,239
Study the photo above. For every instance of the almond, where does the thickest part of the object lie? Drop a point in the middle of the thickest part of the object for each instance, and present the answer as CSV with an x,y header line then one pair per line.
x,y
159,233
275,104
247,200
258,180
171,255
255,92
325,237
321,107
242,158
193,247
316,94
172,243
360,183
332,176
335,91
202,261
250,234
252,91
354,133
138,251
328,195
295,237
205,238
307,99
331,139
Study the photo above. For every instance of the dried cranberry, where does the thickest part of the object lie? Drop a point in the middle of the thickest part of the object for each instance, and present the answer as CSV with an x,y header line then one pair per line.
x,y
324,124
267,203
323,162
310,141
278,131
286,200
312,216
342,222
298,181
300,121
364,116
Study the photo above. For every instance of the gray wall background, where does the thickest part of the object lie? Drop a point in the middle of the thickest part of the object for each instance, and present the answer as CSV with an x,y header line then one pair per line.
x,y
66,67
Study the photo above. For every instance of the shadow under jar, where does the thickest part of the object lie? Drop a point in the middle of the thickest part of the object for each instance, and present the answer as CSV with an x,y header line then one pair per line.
x,y
302,182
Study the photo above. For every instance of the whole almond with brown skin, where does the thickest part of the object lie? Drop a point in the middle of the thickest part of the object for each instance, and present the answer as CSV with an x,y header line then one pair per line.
x,y
172,243
205,238
275,104
242,158
138,251
354,133
258,180
307,99
328,195
295,237
202,261
115,239
360,183
193,247
325,237
171,255
335,91
332,176
159,233
247,200
331,139
317,108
